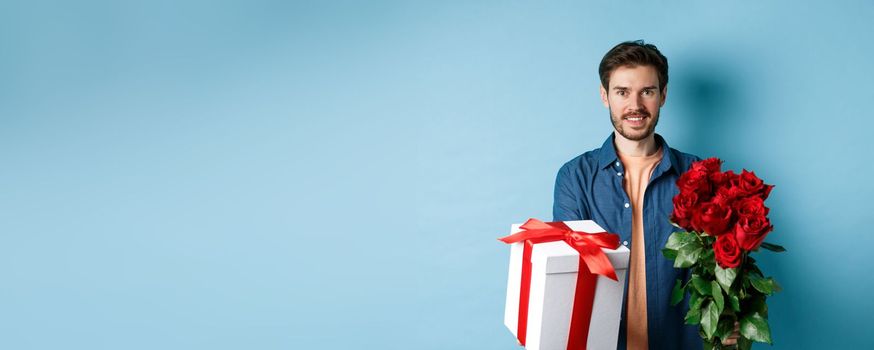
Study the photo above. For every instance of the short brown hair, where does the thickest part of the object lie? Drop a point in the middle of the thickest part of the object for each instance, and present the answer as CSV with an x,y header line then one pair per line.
x,y
632,54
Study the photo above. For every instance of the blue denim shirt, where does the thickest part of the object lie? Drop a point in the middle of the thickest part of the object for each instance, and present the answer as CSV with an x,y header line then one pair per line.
x,y
589,187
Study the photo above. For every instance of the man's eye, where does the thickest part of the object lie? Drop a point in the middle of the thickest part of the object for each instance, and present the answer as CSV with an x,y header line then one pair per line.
x,y
647,92
620,92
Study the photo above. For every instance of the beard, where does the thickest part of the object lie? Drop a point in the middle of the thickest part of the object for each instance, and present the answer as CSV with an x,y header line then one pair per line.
x,y
635,134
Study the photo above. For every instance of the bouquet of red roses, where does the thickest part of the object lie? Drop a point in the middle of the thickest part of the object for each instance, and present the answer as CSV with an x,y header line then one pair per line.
x,y
724,219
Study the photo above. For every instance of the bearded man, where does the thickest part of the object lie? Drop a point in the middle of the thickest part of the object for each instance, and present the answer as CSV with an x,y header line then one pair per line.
x,y
627,186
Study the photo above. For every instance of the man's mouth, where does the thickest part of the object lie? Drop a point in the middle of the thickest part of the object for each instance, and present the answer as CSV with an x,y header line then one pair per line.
x,y
635,120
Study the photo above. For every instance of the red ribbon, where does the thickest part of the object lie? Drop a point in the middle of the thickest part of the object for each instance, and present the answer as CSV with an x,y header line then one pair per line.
x,y
589,246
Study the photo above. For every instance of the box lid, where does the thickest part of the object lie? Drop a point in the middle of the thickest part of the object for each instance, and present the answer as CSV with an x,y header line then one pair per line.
x,y
560,257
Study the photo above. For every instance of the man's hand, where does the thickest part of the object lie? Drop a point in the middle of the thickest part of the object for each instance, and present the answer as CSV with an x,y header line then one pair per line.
x,y
732,339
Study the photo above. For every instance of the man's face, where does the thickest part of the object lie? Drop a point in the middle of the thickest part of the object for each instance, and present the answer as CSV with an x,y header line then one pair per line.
x,y
634,101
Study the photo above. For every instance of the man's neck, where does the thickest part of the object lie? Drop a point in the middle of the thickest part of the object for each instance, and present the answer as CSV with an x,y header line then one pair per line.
x,y
642,148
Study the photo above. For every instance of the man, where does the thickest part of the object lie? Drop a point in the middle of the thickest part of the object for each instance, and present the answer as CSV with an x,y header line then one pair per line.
x,y
627,187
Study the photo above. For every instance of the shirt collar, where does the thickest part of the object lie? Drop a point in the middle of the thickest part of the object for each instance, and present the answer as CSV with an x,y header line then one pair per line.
x,y
607,156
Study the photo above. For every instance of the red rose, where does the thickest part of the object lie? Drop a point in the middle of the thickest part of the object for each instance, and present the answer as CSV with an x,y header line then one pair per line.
x,y
751,231
723,199
709,165
698,178
750,207
695,181
684,207
750,184
712,217
726,251
766,191
720,179
727,185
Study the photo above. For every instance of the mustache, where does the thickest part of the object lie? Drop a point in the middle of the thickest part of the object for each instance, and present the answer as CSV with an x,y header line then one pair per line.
x,y
639,113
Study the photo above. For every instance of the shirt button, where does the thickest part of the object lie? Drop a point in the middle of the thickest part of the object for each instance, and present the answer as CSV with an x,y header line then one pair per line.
x,y
617,163
626,205
618,174
624,242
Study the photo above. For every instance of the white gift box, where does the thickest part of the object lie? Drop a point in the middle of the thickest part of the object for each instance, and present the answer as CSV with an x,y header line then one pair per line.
x,y
554,267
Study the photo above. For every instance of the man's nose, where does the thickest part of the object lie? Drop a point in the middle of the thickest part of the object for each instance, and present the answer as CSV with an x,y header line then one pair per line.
x,y
636,103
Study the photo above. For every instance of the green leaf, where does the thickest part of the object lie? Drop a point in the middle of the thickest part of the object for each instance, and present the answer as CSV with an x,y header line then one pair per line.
x,y
687,256
693,316
695,299
761,284
709,319
725,277
670,254
725,327
700,285
734,301
679,239
717,296
774,286
707,260
773,247
755,327
677,292
687,246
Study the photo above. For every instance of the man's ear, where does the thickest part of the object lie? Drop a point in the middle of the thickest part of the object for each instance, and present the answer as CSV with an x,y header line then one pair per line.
x,y
604,96
664,95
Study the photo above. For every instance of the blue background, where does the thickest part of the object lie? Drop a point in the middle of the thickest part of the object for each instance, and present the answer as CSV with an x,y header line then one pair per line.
x,y
333,175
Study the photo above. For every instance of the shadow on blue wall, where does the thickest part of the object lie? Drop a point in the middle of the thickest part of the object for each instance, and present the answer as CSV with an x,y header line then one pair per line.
x,y
718,120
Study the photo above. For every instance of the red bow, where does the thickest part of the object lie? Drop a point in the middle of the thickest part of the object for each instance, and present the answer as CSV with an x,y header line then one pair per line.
x,y
588,244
